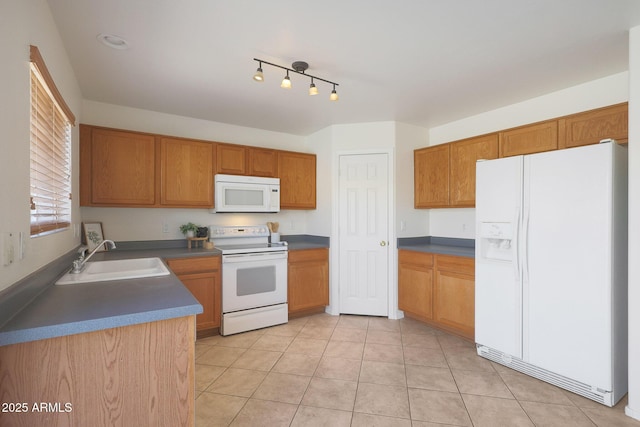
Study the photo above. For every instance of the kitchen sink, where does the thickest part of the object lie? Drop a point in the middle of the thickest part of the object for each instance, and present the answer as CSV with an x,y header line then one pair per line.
x,y
101,271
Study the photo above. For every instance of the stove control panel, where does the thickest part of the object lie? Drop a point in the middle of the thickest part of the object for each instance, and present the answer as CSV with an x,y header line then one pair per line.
x,y
232,231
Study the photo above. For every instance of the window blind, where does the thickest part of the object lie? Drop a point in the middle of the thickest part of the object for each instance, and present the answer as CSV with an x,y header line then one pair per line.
x,y
51,122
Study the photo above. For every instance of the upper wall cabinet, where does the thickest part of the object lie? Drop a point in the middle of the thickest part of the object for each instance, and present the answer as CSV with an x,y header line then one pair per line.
x,y
529,139
231,159
592,126
297,173
186,171
462,161
117,168
263,162
431,177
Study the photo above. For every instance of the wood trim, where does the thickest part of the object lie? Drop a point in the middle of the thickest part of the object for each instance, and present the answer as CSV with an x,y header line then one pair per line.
x,y
36,58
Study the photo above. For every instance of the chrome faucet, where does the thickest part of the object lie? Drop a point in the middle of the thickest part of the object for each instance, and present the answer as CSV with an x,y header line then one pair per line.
x,y
79,264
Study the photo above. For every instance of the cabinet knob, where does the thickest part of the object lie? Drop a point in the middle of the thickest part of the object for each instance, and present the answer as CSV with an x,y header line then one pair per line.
x,y
383,243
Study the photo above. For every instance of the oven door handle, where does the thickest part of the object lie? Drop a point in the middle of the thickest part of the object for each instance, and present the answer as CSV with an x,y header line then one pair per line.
x,y
254,257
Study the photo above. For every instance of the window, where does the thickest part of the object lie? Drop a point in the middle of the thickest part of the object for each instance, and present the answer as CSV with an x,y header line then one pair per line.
x,y
51,121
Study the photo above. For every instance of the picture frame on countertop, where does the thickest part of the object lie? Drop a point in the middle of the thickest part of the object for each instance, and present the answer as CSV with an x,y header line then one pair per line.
x,y
92,235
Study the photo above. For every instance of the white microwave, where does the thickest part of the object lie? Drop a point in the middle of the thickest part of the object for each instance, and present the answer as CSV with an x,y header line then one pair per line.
x,y
236,193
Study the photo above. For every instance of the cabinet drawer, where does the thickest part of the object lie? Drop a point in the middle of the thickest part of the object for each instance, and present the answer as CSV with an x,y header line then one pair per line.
x,y
421,259
456,264
302,255
194,265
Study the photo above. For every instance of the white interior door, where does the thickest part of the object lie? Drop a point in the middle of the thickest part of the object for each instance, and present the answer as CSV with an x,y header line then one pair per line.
x,y
363,233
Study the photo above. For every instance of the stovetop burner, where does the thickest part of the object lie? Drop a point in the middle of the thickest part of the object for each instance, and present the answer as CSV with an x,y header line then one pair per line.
x,y
243,239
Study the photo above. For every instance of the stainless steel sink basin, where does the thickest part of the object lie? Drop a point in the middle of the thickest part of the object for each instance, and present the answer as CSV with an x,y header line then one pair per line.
x,y
101,271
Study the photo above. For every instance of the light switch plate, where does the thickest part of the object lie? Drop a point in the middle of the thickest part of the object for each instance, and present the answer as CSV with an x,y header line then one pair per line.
x,y
8,250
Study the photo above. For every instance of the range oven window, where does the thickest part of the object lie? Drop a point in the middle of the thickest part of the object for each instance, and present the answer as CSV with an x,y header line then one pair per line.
x,y
256,280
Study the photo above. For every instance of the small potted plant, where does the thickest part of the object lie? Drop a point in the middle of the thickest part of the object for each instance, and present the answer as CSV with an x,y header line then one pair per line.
x,y
189,229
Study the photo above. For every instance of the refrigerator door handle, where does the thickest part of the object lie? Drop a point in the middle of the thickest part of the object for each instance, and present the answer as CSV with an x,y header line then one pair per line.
x,y
516,244
525,258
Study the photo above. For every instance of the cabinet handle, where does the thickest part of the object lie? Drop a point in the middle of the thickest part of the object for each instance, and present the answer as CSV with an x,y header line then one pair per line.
x,y
383,243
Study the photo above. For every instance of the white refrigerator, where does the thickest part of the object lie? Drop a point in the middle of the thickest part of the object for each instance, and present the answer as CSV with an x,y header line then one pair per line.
x,y
551,267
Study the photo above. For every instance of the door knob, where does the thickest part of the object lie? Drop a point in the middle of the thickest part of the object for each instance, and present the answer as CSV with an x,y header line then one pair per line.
x,y
383,243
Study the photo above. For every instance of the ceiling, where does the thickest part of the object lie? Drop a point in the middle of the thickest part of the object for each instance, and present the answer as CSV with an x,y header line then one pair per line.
x,y
422,62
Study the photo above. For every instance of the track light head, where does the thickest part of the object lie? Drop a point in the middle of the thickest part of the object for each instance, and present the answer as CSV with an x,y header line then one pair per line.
x,y
313,90
258,76
334,94
286,82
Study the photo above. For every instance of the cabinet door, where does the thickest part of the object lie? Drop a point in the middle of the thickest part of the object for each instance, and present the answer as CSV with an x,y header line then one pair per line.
x,y
263,162
308,279
463,157
120,168
231,159
415,284
454,294
297,173
592,126
186,173
529,139
431,177
203,287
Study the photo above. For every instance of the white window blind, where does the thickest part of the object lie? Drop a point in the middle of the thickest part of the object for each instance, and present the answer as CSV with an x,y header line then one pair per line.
x,y
51,122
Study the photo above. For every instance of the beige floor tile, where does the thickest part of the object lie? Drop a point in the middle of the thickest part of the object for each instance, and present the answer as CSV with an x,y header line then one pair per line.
x,y
286,330
383,353
212,340
260,360
411,326
220,356
384,324
376,399
243,340
420,340
465,358
353,322
548,415
448,341
481,383
206,374
608,417
382,373
344,349
492,411
309,416
201,349
214,410
317,332
264,413
438,407
298,364
383,337
324,320
430,378
272,342
415,423
425,356
368,420
330,394
531,389
237,382
339,368
285,388
349,335
309,346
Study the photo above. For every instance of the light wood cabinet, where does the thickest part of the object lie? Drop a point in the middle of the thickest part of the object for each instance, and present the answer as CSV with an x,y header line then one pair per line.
x,y
186,173
308,280
529,139
263,162
462,172
454,294
415,284
202,277
117,168
592,126
231,159
297,173
431,177
438,289
138,375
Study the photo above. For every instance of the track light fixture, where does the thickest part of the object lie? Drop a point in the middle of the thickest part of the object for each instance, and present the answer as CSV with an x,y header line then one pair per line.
x,y
297,67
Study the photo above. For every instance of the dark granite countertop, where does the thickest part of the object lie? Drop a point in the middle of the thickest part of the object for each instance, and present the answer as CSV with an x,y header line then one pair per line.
x,y
439,245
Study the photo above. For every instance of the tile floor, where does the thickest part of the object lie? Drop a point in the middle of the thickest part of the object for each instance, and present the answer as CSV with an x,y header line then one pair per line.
x,y
368,371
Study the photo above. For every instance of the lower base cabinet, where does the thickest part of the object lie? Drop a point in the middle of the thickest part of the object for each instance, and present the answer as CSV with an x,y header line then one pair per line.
x,y
438,289
308,281
203,277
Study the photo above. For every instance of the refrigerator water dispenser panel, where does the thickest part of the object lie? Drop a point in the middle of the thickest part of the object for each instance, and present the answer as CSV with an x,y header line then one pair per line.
x,y
496,241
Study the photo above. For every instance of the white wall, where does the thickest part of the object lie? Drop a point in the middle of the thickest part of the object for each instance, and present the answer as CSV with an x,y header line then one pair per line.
x,y
23,23
633,408
598,93
319,220
148,224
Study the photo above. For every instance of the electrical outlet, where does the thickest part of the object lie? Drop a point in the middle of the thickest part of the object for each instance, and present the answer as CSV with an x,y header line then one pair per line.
x,y
165,227
403,225
464,227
